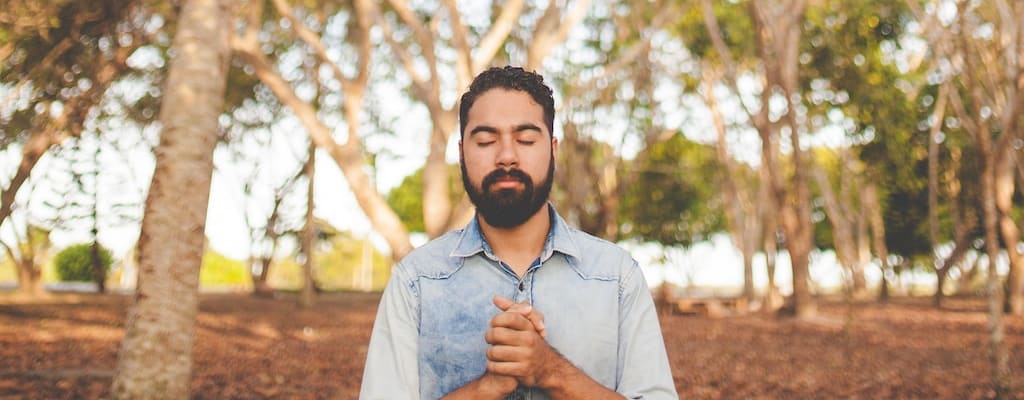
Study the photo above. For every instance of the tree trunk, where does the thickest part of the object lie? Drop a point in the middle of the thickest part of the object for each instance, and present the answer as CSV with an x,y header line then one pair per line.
x,y
968,275
873,209
998,352
437,202
769,219
1003,192
260,287
99,271
30,278
844,226
941,275
155,359
860,282
309,234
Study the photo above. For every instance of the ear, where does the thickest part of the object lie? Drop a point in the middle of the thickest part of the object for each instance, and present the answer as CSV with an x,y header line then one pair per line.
x,y
554,147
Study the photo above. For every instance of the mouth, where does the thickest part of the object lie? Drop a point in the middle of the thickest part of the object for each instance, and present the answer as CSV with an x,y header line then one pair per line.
x,y
507,183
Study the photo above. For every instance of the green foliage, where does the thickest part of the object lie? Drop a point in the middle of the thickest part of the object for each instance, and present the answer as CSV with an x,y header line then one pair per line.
x,y
407,198
55,47
675,199
75,264
219,270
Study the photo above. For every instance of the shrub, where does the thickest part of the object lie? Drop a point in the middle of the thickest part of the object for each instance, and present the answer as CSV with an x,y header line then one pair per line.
x,y
74,264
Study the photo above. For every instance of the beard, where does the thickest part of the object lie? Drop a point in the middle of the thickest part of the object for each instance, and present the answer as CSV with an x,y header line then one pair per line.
x,y
507,208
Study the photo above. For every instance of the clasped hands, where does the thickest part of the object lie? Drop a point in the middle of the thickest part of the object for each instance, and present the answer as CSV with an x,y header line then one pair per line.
x,y
518,352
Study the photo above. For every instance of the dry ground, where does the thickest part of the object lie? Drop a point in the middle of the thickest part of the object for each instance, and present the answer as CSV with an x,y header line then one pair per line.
x,y
66,347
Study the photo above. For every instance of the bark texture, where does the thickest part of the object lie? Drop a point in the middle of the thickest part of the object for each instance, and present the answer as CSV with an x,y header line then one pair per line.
x,y
155,359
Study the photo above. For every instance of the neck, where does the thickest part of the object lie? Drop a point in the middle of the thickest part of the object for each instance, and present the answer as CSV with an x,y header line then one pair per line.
x,y
520,245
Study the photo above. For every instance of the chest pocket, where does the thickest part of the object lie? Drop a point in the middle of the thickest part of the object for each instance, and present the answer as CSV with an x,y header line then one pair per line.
x,y
454,315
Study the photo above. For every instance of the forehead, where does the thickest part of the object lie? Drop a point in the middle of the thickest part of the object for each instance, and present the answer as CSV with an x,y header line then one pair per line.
x,y
503,106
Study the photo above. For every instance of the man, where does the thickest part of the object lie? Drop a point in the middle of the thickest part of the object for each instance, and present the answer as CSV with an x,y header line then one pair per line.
x,y
517,304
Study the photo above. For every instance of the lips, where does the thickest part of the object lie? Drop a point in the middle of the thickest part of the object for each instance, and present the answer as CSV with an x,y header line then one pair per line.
x,y
507,183
502,180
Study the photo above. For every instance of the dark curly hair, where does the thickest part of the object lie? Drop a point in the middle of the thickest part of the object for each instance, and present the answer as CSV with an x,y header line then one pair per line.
x,y
510,78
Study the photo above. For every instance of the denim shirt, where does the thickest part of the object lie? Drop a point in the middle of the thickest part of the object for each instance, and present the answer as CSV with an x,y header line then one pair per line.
x,y
428,338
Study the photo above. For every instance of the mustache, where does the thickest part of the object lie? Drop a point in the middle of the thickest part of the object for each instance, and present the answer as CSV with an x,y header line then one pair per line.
x,y
499,174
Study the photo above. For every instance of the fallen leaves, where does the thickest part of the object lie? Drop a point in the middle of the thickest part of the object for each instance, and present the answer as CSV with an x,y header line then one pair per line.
x,y
259,348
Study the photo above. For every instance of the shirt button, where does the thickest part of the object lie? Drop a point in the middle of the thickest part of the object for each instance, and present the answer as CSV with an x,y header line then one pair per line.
x,y
522,286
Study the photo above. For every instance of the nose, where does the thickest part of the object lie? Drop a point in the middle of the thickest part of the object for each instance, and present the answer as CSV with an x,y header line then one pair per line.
x,y
507,156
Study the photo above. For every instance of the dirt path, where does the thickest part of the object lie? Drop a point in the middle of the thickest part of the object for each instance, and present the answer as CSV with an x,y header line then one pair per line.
x,y
251,348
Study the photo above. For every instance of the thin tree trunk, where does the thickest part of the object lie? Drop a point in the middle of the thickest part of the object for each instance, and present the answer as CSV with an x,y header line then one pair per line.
x,y
770,236
968,275
962,244
998,352
873,209
155,359
308,234
1003,192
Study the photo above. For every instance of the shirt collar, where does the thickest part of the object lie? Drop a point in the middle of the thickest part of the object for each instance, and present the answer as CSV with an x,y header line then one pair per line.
x,y
559,239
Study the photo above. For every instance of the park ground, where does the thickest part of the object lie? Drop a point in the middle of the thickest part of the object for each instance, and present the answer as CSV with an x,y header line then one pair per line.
x,y
65,346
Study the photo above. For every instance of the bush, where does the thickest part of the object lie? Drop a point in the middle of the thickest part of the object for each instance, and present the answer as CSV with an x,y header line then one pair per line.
x,y
74,264
217,270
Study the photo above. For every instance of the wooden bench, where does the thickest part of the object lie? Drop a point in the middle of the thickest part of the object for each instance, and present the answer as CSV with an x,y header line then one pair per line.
x,y
668,303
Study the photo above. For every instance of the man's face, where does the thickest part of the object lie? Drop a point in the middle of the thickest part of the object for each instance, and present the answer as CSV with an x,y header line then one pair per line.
x,y
507,157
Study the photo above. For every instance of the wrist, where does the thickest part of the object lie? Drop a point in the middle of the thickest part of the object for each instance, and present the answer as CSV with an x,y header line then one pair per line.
x,y
492,385
555,373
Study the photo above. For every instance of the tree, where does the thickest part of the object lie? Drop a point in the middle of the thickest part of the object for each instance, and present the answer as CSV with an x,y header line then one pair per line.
x,y
744,217
59,59
155,357
986,99
475,48
846,215
77,263
309,232
350,155
777,27
27,254
607,76
677,177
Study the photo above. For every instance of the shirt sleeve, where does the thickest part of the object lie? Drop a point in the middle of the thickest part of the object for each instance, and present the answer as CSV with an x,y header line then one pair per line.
x,y
643,368
391,370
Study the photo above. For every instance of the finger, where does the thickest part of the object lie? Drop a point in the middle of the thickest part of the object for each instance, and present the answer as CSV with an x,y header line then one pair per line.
x,y
513,321
510,337
505,353
532,314
502,303
537,319
506,368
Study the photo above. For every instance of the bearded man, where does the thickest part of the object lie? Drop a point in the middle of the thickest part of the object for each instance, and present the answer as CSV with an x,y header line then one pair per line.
x,y
517,305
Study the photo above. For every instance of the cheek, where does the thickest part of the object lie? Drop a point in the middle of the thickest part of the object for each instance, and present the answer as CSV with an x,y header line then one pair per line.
x,y
475,168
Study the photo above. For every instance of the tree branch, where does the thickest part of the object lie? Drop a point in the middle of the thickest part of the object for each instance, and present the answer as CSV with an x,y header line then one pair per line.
x,y
500,29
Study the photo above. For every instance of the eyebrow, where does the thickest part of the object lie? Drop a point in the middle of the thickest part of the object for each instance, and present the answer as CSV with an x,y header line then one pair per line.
x,y
517,128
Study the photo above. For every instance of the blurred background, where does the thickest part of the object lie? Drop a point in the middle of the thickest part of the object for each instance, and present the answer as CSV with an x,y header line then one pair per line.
x,y
770,153
678,123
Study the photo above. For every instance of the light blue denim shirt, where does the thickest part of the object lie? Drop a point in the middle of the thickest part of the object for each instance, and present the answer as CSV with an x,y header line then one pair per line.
x,y
428,338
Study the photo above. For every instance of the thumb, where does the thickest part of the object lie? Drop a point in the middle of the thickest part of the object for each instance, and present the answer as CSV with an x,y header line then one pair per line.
x,y
502,303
